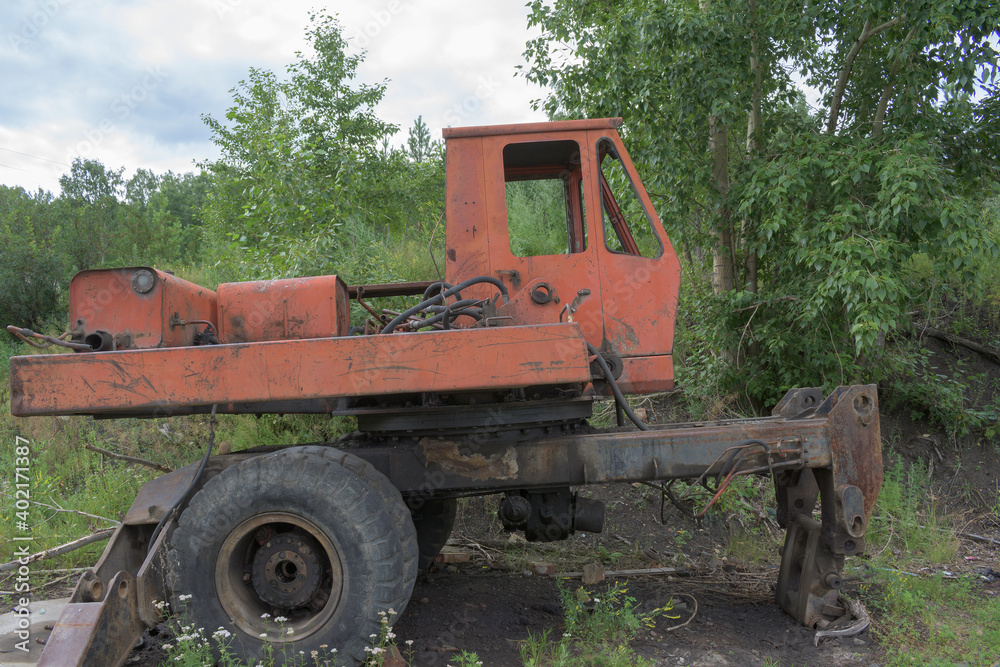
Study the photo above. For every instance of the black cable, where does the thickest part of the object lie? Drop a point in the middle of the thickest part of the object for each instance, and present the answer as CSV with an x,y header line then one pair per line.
x,y
194,481
439,287
439,298
445,316
619,397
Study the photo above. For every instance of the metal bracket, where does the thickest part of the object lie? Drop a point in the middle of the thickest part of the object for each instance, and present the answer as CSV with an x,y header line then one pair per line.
x,y
809,578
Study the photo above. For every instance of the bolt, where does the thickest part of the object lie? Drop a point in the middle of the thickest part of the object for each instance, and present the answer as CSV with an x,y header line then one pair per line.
x,y
246,577
281,555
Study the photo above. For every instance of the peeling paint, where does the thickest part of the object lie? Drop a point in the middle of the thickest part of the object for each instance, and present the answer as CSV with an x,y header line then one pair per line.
x,y
501,465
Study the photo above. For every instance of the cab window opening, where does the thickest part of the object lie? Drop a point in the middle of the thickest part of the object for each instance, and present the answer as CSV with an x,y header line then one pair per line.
x,y
627,227
544,197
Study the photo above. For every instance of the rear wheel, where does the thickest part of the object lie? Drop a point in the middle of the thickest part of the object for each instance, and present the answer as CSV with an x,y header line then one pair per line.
x,y
433,520
288,547
391,499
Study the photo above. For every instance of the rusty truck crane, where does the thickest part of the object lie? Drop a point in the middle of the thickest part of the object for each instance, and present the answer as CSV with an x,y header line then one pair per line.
x,y
483,386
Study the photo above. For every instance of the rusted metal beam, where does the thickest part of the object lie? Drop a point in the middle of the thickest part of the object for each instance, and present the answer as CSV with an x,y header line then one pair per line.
x,y
475,463
825,439
160,380
389,289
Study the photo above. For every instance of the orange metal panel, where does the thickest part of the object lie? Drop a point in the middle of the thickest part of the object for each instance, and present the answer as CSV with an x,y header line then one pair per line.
x,y
639,294
625,304
566,274
294,308
645,375
139,306
467,239
442,361
528,128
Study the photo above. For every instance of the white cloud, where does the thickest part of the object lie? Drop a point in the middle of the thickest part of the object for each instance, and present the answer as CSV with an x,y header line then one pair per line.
x,y
78,74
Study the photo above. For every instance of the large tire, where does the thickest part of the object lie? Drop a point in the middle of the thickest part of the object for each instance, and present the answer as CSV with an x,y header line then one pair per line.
x,y
433,520
391,499
287,534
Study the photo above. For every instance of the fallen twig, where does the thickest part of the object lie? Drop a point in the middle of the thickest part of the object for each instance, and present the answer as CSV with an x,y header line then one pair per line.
x,y
693,613
58,551
61,570
971,536
626,573
56,508
130,459
979,538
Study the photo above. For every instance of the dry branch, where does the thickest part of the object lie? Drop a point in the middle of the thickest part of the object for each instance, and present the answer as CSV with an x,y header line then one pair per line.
x,y
58,551
56,508
628,573
985,350
130,459
693,613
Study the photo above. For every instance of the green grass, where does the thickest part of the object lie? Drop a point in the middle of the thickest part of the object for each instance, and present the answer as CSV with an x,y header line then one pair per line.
x,y
909,525
933,620
598,626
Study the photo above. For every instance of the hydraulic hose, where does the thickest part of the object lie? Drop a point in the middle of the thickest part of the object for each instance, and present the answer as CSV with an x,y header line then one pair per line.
x,y
619,397
446,316
437,288
438,298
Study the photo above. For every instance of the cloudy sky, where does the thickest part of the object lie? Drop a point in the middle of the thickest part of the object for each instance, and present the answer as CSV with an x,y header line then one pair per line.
x,y
126,81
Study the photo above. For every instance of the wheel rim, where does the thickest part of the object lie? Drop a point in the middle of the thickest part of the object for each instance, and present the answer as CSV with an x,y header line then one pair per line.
x,y
279,565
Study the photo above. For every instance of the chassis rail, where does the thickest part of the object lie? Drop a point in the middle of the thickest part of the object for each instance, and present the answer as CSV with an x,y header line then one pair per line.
x,y
815,449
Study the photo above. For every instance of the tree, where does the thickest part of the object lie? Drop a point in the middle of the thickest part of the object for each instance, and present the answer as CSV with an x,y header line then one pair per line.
x,y
295,151
31,269
140,188
307,181
419,146
812,218
90,211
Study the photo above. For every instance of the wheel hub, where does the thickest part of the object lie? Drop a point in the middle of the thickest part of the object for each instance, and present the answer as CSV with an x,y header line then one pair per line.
x,y
286,571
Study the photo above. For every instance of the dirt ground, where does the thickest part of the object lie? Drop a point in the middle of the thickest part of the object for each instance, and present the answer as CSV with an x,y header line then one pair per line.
x,y
491,603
